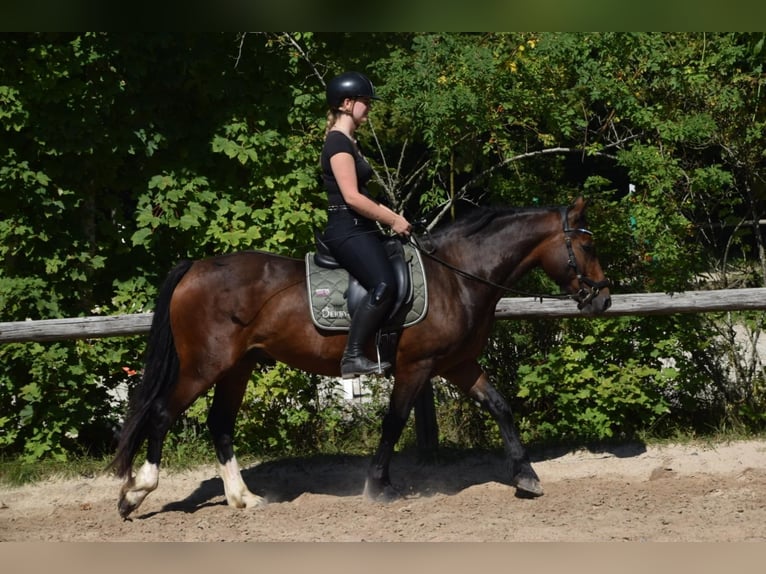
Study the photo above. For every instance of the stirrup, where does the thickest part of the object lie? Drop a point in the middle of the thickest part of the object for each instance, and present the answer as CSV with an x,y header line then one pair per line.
x,y
352,367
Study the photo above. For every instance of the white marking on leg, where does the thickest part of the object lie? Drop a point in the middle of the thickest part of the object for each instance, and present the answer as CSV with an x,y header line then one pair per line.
x,y
147,477
237,493
146,480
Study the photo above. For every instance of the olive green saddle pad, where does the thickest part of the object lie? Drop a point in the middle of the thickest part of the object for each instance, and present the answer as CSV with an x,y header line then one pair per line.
x,y
329,290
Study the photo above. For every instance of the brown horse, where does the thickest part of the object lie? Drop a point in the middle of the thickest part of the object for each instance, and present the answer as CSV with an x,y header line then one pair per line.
x,y
217,319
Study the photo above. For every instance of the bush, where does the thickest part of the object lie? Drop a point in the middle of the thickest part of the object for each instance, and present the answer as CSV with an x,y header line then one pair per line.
x,y
58,400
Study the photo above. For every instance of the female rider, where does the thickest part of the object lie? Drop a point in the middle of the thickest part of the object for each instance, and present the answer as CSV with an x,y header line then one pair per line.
x,y
351,233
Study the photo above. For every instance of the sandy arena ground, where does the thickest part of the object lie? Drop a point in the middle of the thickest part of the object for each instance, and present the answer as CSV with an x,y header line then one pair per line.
x,y
708,493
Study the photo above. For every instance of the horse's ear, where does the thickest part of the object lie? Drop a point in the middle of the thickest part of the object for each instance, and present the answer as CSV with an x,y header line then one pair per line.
x,y
578,207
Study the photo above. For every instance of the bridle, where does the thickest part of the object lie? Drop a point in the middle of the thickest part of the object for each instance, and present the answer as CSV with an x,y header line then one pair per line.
x,y
589,289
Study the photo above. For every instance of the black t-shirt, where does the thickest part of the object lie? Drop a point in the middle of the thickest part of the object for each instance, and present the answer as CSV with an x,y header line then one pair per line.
x,y
337,142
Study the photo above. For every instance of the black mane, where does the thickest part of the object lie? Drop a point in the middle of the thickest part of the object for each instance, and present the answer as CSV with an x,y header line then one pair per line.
x,y
480,218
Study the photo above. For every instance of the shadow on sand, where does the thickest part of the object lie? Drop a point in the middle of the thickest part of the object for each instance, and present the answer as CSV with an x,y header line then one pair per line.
x,y
449,471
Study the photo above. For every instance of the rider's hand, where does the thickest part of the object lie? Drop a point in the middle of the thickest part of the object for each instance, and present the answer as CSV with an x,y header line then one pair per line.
x,y
401,226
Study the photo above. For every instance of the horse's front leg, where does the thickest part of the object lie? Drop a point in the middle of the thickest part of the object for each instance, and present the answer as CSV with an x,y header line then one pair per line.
x,y
474,382
378,485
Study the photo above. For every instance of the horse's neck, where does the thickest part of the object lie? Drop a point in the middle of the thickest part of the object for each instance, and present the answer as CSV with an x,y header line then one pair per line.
x,y
505,256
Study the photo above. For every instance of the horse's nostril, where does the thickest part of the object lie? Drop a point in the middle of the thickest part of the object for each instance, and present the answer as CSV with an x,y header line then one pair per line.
x,y
607,303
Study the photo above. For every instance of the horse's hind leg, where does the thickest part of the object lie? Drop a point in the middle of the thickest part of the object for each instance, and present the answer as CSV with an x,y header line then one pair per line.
x,y
164,412
137,488
221,421
474,382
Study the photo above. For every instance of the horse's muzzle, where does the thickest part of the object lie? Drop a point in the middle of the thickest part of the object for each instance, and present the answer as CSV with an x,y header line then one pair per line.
x,y
590,299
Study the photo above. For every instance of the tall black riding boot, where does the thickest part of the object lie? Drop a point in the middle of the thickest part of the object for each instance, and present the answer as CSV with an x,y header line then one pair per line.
x,y
365,322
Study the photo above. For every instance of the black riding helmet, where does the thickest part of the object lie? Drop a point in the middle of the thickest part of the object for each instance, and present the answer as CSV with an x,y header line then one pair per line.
x,y
349,85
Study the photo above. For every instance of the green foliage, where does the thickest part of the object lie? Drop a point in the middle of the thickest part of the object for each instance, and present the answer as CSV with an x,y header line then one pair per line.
x,y
65,406
609,378
570,397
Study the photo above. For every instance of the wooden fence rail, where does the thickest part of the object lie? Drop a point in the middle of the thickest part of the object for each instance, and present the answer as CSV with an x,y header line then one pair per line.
x,y
507,308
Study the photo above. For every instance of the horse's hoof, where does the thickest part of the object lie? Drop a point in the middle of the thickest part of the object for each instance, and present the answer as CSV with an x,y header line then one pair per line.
x,y
130,499
125,508
527,487
384,493
249,500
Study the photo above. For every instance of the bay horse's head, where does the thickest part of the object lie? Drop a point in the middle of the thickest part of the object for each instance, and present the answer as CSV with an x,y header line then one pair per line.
x,y
570,260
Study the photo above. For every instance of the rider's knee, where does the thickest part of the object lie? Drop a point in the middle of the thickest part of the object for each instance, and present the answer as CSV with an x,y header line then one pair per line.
x,y
383,293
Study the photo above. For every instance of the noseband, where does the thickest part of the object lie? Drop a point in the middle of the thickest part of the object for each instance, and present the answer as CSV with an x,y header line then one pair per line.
x,y
589,288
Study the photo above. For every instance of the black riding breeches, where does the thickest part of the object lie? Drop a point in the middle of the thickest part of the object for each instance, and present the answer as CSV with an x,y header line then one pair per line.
x,y
357,244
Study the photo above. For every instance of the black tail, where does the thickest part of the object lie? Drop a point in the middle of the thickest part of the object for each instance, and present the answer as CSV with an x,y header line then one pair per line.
x,y
160,373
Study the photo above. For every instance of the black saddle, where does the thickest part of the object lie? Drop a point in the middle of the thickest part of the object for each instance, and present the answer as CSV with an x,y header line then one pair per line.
x,y
356,293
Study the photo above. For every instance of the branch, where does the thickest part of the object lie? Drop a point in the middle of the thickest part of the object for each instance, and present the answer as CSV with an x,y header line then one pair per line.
x,y
289,37
461,193
546,151
239,51
304,55
390,184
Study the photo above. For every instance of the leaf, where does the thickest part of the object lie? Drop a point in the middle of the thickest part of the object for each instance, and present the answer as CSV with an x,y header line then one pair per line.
x,y
30,392
188,221
140,236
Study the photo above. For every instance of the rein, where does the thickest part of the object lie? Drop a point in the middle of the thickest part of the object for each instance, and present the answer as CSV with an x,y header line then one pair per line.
x,y
471,276
583,296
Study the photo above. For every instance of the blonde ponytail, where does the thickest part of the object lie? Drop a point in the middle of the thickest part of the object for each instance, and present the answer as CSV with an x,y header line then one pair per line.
x,y
332,117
